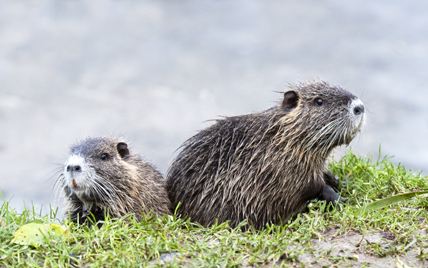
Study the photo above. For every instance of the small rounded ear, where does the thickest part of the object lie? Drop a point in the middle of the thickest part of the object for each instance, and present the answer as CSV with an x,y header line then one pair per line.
x,y
122,148
290,100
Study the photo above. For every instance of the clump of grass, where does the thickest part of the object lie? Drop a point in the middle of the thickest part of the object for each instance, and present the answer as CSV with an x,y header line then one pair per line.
x,y
308,239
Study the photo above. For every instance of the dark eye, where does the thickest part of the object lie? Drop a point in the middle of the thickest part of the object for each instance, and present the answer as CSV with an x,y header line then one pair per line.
x,y
319,102
104,156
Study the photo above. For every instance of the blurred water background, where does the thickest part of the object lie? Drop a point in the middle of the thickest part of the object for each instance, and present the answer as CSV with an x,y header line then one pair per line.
x,y
155,71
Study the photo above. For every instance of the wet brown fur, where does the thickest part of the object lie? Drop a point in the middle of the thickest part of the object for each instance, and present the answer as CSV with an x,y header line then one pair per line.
x,y
262,167
118,185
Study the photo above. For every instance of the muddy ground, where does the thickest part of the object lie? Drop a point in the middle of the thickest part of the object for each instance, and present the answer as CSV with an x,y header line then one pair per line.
x,y
335,249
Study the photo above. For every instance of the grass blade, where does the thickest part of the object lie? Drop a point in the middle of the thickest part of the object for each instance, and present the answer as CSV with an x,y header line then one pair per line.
x,y
388,201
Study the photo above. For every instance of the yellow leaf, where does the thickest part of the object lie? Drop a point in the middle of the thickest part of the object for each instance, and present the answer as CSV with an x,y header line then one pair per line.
x,y
33,233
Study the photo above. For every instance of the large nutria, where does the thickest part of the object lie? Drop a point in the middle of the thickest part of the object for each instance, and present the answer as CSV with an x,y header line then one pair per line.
x,y
265,167
102,176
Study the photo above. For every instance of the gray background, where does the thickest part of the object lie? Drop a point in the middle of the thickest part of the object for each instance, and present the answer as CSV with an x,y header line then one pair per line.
x,y
154,71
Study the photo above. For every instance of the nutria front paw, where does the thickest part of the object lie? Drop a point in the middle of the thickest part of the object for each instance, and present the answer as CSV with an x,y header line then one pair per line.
x,y
330,196
343,200
333,181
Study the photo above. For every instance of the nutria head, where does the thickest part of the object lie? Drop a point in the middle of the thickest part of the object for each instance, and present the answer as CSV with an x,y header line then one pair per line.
x,y
321,116
101,175
95,170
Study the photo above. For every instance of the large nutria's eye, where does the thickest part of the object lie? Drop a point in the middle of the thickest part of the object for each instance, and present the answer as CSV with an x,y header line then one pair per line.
x,y
319,102
104,156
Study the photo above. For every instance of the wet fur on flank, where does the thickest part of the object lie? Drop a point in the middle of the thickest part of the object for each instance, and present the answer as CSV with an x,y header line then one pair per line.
x,y
264,167
120,184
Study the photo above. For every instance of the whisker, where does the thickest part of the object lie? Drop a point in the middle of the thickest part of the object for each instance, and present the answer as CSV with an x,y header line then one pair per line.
x,y
103,192
327,128
58,188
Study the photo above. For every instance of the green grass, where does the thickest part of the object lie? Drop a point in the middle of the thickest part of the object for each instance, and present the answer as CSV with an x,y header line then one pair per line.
x,y
308,239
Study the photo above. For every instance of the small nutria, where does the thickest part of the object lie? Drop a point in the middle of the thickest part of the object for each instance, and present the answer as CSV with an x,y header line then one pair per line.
x,y
265,167
101,176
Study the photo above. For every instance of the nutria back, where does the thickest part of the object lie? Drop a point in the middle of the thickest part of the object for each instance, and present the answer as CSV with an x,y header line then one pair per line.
x,y
102,175
265,167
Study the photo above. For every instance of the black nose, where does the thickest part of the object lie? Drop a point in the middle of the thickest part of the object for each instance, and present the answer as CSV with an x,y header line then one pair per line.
x,y
359,109
75,168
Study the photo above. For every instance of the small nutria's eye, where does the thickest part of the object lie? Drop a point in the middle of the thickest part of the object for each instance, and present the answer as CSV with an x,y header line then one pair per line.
x,y
319,102
104,156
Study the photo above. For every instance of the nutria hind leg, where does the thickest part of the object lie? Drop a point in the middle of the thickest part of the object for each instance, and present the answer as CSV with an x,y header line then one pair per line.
x,y
329,195
333,181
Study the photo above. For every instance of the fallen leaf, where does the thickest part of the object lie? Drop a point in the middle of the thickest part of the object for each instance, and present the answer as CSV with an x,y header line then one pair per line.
x,y
33,233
